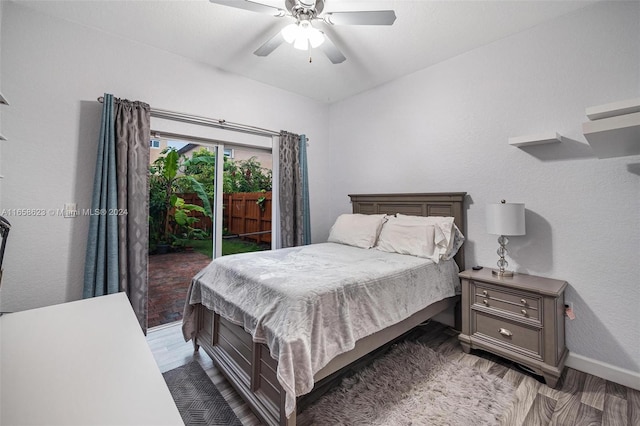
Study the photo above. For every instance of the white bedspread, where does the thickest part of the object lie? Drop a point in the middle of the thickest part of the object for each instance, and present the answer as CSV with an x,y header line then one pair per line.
x,y
312,303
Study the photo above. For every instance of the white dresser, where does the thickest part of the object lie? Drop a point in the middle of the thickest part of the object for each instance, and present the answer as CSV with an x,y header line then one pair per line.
x,y
80,363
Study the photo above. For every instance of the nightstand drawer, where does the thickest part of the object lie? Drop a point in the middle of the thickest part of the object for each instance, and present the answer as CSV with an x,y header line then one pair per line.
x,y
520,338
519,303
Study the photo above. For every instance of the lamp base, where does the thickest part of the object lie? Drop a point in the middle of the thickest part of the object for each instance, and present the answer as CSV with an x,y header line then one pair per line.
x,y
502,273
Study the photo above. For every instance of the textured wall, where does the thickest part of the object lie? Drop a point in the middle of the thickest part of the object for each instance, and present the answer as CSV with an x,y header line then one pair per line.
x,y
53,71
446,128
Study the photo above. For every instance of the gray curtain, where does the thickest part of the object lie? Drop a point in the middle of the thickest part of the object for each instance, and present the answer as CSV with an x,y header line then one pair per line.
x,y
132,124
304,182
294,191
117,248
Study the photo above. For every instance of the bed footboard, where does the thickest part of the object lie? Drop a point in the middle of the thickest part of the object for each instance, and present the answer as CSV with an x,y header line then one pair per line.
x,y
246,364
252,372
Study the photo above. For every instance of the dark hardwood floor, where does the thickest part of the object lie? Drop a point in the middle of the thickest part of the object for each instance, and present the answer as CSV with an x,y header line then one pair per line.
x,y
578,399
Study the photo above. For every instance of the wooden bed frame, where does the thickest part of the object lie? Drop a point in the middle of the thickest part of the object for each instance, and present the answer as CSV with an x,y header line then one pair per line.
x,y
248,365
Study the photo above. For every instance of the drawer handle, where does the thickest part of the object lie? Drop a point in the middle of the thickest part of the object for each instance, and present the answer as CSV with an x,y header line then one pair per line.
x,y
484,293
485,301
523,301
505,332
524,312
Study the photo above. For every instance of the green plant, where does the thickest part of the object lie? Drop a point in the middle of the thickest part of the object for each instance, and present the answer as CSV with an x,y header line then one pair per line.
x,y
181,211
239,176
261,200
198,234
167,211
202,168
171,174
246,176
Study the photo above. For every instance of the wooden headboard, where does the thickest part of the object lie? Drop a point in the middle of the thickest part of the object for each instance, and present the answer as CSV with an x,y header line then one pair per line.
x,y
433,204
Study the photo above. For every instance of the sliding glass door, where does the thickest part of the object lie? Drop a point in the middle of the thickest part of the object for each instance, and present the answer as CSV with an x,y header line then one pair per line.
x,y
243,219
206,200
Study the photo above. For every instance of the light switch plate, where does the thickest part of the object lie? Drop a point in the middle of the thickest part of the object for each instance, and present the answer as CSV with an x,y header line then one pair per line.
x,y
70,210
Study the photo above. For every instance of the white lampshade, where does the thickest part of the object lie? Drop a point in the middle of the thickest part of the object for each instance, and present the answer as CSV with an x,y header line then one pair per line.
x,y
505,219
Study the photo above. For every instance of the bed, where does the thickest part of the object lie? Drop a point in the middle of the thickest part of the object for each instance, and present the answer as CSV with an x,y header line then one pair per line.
x,y
281,343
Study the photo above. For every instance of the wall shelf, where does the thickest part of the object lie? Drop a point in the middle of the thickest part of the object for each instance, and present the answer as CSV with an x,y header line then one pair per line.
x,y
613,109
2,138
616,136
539,139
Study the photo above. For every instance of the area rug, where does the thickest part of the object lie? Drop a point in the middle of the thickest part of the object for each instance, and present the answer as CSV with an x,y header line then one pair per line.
x,y
197,398
413,385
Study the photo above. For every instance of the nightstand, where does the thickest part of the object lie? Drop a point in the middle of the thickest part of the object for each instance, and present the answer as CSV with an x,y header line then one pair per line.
x,y
520,318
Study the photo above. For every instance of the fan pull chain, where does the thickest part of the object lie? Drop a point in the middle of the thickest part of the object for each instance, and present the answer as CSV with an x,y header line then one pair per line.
x,y
310,59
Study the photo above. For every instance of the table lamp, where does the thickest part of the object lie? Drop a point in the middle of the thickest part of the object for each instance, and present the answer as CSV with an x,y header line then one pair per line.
x,y
505,219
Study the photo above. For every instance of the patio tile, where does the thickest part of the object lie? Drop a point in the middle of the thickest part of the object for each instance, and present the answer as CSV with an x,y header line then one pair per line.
x,y
169,278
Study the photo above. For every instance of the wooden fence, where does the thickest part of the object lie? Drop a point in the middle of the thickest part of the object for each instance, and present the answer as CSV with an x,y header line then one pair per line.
x,y
242,215
204,221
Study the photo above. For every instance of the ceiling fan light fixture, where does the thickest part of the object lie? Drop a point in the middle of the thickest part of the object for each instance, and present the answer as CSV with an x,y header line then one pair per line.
x,y
301,43
316,37
302,34
290,33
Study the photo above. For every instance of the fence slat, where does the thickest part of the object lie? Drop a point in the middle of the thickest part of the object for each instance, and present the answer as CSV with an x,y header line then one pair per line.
x,y
241,214
246,216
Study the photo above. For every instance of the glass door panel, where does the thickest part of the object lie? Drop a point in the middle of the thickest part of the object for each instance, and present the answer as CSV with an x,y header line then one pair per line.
x,y
247,200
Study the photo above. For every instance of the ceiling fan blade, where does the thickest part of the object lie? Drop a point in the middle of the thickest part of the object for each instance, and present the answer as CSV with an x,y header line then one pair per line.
x,y
270,45
333,53
252,6
373,17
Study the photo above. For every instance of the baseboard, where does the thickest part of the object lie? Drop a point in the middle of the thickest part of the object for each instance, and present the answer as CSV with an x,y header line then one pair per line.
x,y
606,371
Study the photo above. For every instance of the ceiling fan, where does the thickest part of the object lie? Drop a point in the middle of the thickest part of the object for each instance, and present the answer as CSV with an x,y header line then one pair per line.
x,y
302,34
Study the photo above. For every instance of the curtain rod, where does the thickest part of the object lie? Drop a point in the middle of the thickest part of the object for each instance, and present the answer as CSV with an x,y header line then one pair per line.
x,y
205,121
200,140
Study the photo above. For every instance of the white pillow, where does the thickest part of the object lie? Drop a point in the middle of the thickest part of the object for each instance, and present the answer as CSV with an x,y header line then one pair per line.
x,y
455,244
448,246
403,237
359,230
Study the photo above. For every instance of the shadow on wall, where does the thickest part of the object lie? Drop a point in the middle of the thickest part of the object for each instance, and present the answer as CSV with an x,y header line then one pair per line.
x,y
536,249
634,168
469,247
85,163
599,337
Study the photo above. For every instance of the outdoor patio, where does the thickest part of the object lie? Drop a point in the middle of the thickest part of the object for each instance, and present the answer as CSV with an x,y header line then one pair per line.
x,y
169,278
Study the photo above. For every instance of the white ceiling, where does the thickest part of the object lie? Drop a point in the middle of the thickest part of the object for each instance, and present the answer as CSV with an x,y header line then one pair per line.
x,y
425,33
